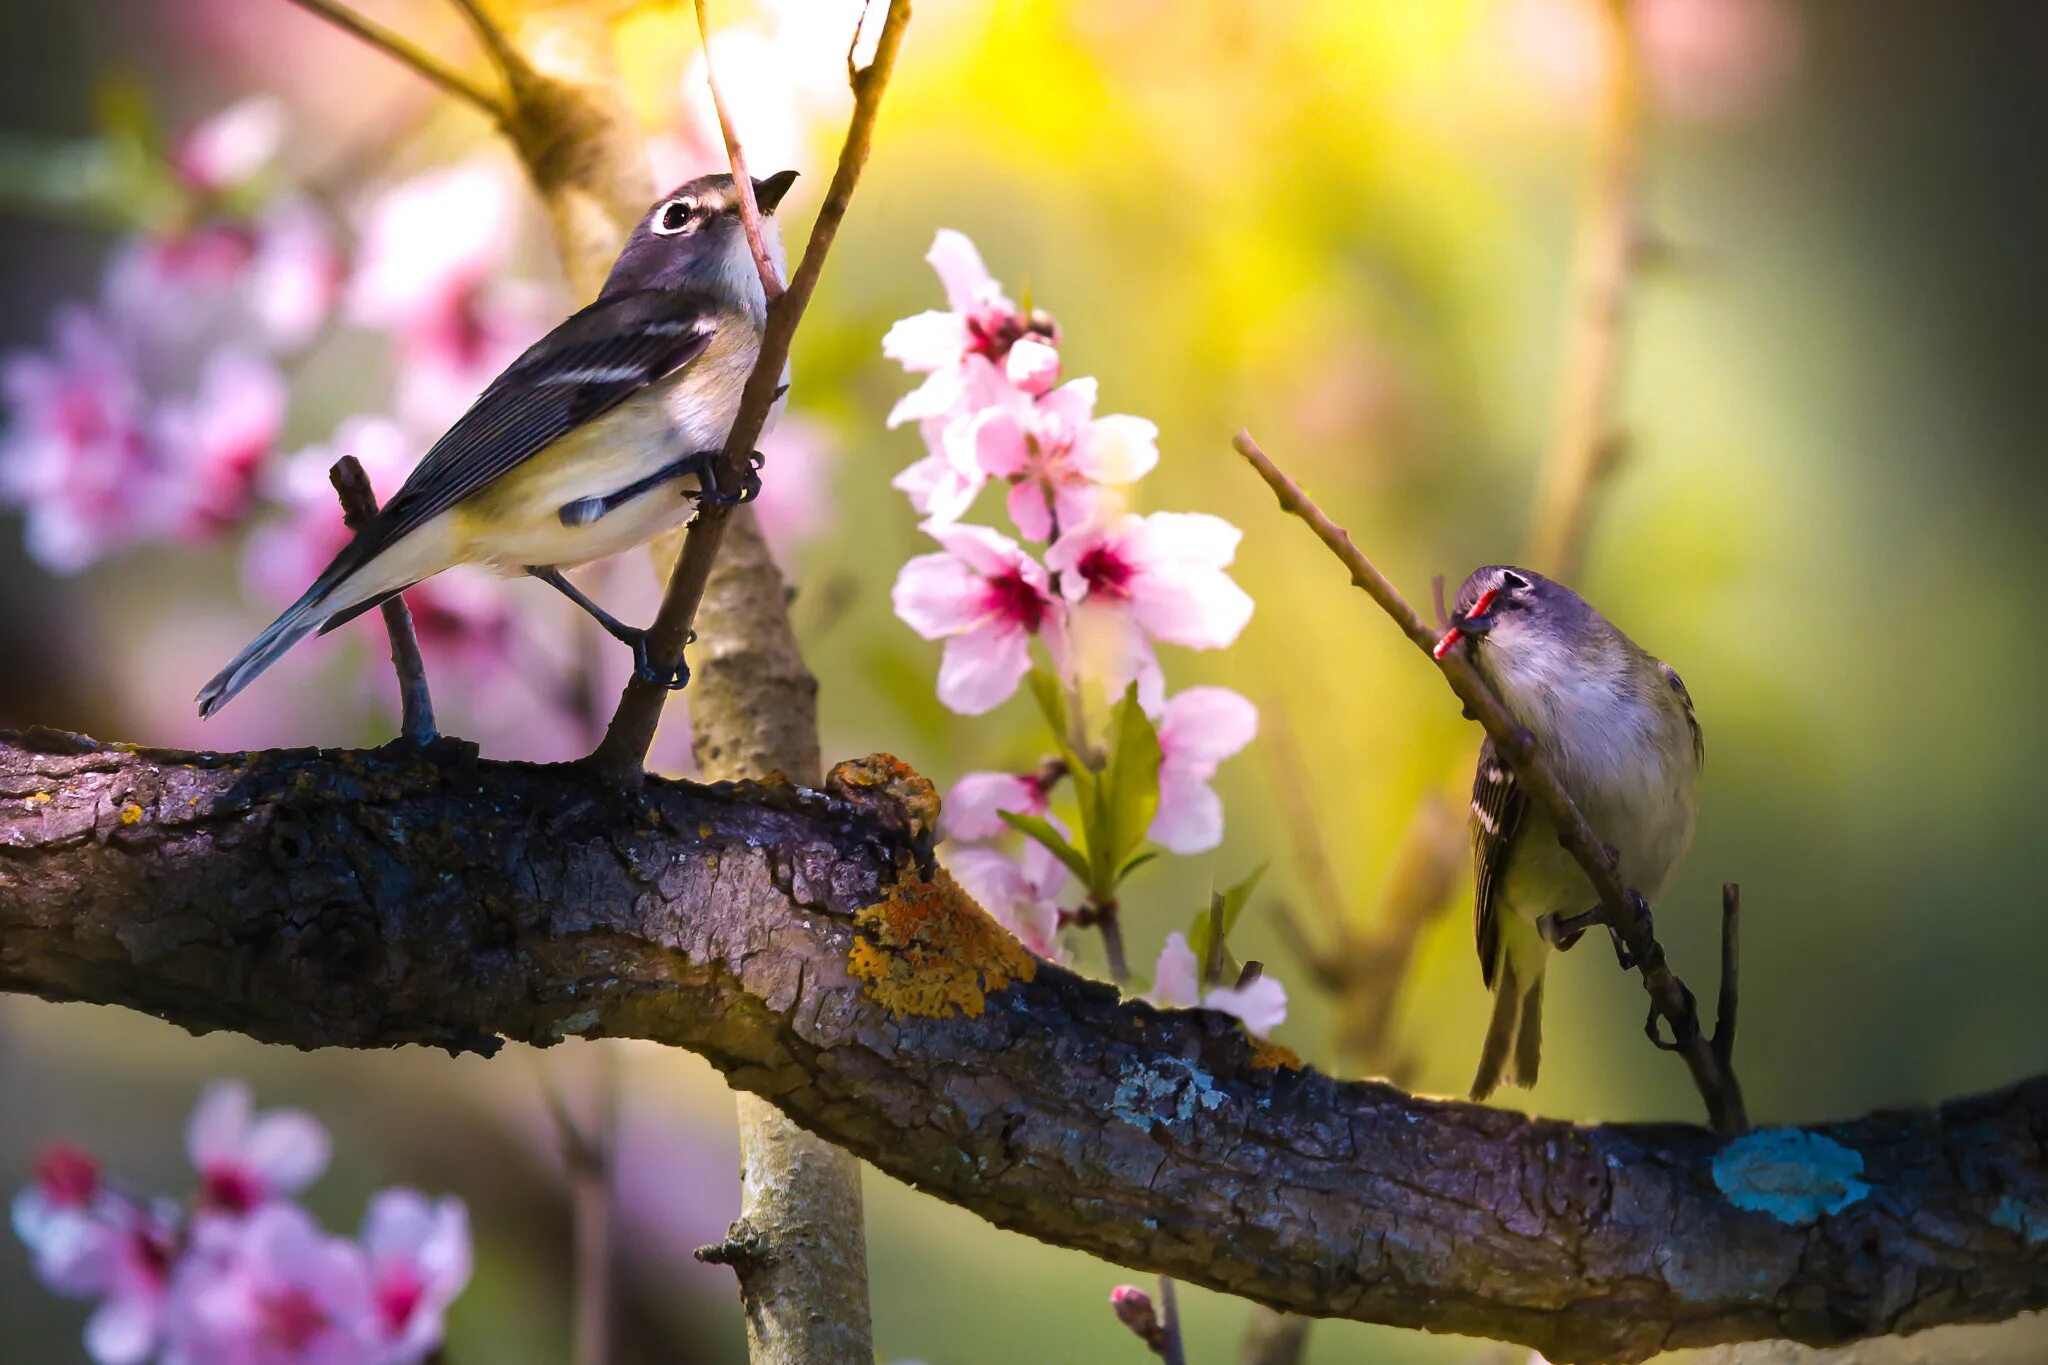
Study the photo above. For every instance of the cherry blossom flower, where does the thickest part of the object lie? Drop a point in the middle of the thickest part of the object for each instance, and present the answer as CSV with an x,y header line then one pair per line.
x,y
271,282
985,598
796,484
428,265
271,1289
418,1255
1198,729
88,1241
1062,460
247,1160
230,147
1177,984
1151,578
217,440
973,342
1022,894
970,809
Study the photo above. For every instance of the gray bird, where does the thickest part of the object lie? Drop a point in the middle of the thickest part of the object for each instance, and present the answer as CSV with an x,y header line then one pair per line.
x,y
602,436
1617,728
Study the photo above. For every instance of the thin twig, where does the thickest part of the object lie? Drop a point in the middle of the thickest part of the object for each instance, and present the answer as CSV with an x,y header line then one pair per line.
x,y
1171,1348
623,752
1621,907
409,53
1731,957
587,1147
743,183
416,708
511,65
1584,445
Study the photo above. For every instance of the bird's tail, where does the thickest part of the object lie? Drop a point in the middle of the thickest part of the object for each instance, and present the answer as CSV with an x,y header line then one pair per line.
x,y
1514,1034
357,577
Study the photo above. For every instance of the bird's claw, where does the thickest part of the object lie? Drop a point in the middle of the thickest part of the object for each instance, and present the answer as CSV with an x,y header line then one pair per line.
x,y
1683,1029
750,486
675,679
1623,954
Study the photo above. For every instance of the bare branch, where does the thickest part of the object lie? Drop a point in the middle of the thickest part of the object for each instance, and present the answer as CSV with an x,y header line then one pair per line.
x,y
743,183
371,899
1731,963
416,707
409,53
1621,907
511,65
623,752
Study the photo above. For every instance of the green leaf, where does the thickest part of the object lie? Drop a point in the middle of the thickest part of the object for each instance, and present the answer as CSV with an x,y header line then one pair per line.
x,y
1052,703
1226,906
1037,827
1130,787
1136,861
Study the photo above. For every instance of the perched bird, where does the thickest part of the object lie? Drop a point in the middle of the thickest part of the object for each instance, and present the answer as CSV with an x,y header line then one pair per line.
x,y
1616,726
603,435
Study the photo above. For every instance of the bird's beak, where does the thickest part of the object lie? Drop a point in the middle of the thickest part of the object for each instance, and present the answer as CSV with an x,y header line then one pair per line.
x,y
768,193
1474,623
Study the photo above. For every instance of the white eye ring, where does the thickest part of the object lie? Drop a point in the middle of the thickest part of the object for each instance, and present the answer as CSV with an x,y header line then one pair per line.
x,y
683,222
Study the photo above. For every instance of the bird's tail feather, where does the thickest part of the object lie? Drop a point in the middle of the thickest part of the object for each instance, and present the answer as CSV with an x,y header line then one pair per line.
x,y
297,621
1500,1031
1529,1034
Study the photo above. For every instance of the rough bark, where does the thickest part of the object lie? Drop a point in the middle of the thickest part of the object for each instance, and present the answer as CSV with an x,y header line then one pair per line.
x,y
372,899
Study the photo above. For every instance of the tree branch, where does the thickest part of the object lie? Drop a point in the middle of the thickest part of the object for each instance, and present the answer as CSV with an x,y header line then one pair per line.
x,y
416,705
409,53
1621,907
372,899
743,182
624,749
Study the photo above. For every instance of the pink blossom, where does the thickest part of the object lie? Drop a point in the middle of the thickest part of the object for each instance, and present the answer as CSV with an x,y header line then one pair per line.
x,y
430,253
1718,60
269,282
418,1255
1135,580
1198,730
970,809
986,598
247,1160
1176,984
88,1241
216,441
230,147
968,344
1060,458
796,484
1022,894
271,1289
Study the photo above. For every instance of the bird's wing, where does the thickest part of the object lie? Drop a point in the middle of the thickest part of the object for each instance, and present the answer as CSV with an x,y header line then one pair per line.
x,y
1692,722
1497,805
594,361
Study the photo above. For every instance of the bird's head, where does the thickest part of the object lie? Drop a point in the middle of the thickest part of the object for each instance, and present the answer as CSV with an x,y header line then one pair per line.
x,y
693,239
1504,611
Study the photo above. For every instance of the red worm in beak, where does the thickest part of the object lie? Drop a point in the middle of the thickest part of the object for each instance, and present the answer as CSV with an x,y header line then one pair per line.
x,y
1453,635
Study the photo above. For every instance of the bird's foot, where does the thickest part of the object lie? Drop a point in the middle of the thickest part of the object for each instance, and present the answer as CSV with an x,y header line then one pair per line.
x,y
711,490
1623,954
1563,932
1684,1028
675,679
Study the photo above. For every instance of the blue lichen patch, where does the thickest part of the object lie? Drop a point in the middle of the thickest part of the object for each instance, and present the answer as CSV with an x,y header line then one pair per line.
x,y
1163,1090
1792,1175
2024,1219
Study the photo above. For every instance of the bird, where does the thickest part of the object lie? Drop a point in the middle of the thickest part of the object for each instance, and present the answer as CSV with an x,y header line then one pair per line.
x,y
602,435
1617,728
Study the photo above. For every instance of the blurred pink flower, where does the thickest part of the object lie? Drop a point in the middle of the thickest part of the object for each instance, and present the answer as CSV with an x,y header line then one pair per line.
x,y
796,484
418,1255
271,1289
271,282
427,271
232,146
1152,578
87,1241
985,598
1198,729
1062,460
966,346
247,1160
1177,984
217,440
970,808
1022,894
1715,61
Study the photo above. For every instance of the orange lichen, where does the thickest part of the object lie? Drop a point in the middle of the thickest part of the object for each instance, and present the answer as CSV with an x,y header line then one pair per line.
x,y
890,787
131,814
926,949
1274,1057
40,798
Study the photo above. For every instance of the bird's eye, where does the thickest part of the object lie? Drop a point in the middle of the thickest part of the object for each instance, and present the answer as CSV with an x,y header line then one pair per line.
x,y
1512,582
674,216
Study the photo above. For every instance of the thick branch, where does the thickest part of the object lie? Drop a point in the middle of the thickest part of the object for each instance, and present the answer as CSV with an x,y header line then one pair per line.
x,y
372,899
1622,908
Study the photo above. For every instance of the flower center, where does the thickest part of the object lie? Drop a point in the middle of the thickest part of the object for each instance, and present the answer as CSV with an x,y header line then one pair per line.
x,y
1015,601
398,1294
229,1189
292,1319
67,1177
1105,572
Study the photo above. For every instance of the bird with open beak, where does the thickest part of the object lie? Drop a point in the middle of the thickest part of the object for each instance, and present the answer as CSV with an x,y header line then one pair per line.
x,y
1616,726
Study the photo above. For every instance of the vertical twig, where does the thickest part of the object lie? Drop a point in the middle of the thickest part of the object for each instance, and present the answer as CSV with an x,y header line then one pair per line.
x,y
743,183
1171,1348
1731,955
587,1146
416,708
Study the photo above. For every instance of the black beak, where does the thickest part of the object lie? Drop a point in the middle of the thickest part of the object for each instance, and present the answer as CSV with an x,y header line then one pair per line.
x,y
768,193
1473,625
